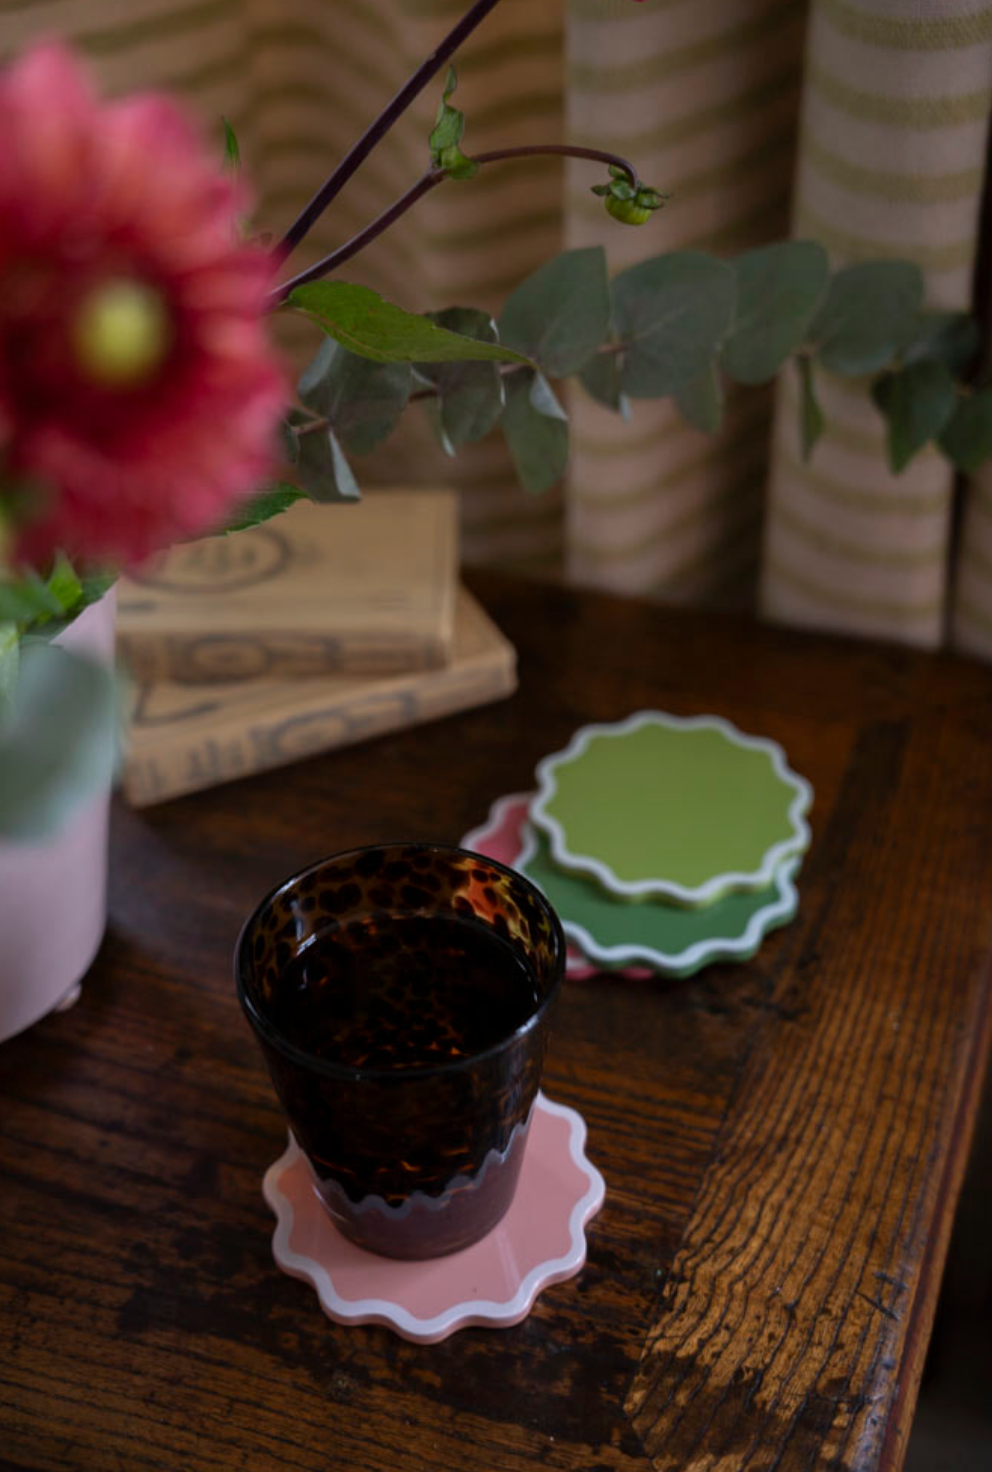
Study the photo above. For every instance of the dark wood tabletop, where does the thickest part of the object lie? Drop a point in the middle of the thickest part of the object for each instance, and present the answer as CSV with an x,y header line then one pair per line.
x,y
783,1141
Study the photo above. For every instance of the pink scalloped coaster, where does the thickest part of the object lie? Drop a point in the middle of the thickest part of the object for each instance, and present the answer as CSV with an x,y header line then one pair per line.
x,y
501,838
540,1241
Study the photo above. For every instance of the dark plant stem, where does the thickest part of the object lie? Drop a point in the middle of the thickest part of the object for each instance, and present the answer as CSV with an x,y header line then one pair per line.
x,y
381,125
427,182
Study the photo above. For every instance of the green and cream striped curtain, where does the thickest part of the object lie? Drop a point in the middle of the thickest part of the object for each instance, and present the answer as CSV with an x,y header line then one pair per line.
x,y
860,123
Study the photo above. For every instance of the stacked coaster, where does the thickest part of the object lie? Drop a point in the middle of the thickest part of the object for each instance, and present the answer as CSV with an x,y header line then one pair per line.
x,y
663,842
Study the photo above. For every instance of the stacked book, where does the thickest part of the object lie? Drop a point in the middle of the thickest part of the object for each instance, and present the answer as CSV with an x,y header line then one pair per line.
x,y
323,627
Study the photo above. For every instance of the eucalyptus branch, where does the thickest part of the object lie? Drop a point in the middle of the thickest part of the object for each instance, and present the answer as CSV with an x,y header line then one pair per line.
x,y
381,125
424,185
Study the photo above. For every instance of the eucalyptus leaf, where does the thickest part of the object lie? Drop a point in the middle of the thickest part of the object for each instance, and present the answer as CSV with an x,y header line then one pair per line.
x,y
600,377
867,316
362,400
701,401
57,739
779,288
323,471
536,430
966,439
262,508
470,396
811,421
672,314
952,338
561,313
917,403
366,324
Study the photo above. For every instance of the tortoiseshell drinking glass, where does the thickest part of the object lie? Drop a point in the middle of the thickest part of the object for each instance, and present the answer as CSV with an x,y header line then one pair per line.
x,y
401,996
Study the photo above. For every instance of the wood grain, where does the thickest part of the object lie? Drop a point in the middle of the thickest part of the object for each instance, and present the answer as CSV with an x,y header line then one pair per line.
x,y
797,1124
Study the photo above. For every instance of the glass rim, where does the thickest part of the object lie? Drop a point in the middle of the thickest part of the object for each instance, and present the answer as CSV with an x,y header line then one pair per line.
x,y
329,1066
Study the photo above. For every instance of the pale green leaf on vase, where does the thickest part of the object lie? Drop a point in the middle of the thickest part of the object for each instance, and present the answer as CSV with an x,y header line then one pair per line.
x,y
779,288
672,314
917,403
536,429
560,314
9,647
867,316
366,324
57,739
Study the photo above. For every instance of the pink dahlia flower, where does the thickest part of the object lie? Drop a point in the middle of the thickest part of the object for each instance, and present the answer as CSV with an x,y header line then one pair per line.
x,y
139,395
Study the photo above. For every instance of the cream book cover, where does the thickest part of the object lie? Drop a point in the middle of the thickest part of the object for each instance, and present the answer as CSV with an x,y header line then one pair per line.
x,y
182,738
363,589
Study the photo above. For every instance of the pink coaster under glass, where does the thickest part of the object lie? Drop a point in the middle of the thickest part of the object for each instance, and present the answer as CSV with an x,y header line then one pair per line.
x,y
540,1241
500,837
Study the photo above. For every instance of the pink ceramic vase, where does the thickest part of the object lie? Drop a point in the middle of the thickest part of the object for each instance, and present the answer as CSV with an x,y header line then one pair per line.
x,y
53,891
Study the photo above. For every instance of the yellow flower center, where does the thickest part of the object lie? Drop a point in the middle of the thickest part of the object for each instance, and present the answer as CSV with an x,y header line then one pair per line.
x,y
122,333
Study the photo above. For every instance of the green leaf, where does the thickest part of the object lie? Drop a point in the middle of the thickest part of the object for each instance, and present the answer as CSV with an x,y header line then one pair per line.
x,y
57,739
27,598
373,328
917,403
672,313
701,401
363,400
9,647
536,430
449,123
868,314
95,585
262,508
561,313
470,395
600,377
232,151
323,471
64,584
966,439
952,338
811,421
779,288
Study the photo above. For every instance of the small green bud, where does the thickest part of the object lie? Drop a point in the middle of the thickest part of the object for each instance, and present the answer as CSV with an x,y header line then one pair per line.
x,y
122,333
634,208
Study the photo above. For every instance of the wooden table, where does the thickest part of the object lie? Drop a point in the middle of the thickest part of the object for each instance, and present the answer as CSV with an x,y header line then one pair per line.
x,y
783,1142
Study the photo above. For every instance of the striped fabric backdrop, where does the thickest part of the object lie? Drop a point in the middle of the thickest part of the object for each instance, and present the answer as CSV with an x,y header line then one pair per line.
x,y
891,163
863,122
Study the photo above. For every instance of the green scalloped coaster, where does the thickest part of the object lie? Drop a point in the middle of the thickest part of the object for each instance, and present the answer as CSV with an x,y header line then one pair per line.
x,y
672,939
681,809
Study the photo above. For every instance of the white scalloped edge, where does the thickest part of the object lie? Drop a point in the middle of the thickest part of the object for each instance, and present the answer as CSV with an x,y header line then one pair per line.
x,y
701,953
718,884
459,1315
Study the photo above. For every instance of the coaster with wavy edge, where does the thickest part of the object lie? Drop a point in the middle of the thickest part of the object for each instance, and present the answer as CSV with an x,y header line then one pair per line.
x,y
673,940
540,1241
500,837
594,803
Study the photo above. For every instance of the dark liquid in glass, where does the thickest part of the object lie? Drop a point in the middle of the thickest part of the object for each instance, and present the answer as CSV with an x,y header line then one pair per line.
x,y
403,991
